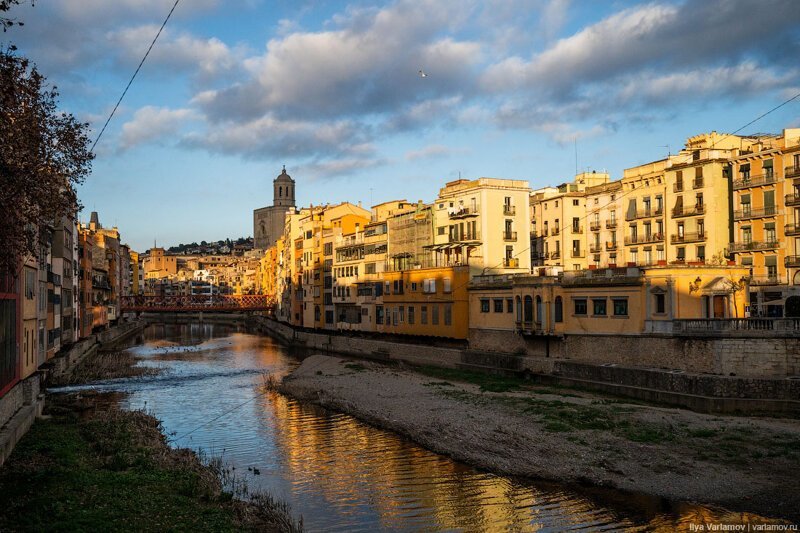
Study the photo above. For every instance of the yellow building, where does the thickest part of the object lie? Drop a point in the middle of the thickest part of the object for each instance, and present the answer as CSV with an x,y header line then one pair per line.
x,y
136,288
159,265
766,213
427,301
643,198
558,223
603,206
630,301
483,224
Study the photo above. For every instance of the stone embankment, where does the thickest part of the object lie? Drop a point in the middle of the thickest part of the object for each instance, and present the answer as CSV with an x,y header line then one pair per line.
x,y
572,436
22,404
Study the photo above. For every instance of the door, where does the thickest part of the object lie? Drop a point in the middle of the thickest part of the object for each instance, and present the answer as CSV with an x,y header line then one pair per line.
x,y
719,307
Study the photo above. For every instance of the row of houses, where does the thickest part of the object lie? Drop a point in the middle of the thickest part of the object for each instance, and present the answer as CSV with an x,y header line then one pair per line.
x,y
706,233
71,289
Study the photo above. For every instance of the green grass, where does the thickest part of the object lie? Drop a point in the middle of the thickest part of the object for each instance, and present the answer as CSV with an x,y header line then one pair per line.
x,y
355,367
74,474
487,382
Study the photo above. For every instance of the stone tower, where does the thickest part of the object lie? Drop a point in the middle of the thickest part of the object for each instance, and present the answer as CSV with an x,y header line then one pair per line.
x,y
268,222
283,190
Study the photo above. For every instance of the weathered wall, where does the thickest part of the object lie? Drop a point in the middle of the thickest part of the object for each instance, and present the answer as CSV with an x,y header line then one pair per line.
x,y
758,357
362,347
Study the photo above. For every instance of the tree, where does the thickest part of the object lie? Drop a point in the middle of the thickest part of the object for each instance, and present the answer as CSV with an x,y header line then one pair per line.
x,y
7,22
44,154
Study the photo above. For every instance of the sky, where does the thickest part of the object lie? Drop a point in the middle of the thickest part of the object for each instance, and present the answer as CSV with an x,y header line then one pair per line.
x,y
235,89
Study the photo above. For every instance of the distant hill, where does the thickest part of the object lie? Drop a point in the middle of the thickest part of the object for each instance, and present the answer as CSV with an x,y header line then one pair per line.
x,y
211,247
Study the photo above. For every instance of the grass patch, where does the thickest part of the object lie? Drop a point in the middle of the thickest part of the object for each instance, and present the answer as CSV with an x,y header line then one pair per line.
x,y
648,434
438,384
102,469
355,367
105,365
486,382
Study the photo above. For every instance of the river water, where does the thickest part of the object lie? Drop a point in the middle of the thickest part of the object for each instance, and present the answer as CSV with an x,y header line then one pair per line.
x,y
341,474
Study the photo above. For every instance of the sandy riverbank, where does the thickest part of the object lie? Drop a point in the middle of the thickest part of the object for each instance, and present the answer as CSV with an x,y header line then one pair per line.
x,y
742,463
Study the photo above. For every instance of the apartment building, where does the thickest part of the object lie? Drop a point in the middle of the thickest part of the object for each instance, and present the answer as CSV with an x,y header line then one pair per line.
x,y
483,224
643,198
558,233
766,212
603,207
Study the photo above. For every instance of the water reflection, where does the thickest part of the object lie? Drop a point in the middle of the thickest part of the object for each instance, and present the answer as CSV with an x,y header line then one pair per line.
x,y
341,474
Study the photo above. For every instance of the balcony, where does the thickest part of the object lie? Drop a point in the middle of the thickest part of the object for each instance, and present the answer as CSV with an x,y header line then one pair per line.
x,y
792,199
535,256
698,209
55,279
754,181
645,213
509,236
555,255
509,210
464,212
595,248
753,245
611,245
678,187
792,172
742,214
698,183
687,237
792,261
792,229
467,237
577,230
644,239
578,253
556,231
594,226
765,280
511,262
611,224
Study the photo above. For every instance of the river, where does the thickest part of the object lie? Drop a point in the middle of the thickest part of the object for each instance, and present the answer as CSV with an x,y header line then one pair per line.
x,y
341,474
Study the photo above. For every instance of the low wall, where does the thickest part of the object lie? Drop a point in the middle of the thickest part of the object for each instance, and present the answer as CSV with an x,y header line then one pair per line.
x,y
187,318
19,407
361,347
756,357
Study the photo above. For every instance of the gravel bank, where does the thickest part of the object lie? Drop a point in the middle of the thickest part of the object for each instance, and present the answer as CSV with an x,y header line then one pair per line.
x,y
742,463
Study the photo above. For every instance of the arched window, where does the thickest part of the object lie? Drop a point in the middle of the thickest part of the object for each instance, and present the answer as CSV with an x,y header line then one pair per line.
x,y
538,309
528,310
280,192
559,309
519,309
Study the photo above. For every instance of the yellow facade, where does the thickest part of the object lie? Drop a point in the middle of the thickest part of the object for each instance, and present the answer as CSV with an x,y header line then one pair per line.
x,y
558,232
644,216
766,213
603,207
629,301
159,265
427,302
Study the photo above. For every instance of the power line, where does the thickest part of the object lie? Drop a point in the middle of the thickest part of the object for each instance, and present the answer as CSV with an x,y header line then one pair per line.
x,y
134,75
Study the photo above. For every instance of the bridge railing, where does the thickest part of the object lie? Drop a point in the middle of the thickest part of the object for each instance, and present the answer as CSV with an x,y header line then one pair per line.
x,y
197,302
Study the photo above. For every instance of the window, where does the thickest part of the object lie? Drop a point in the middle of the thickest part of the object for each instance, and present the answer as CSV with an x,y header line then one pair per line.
x,y
509,305
448,314
519,309
661,304
771,262
379,314
498,305
528,309
580,306
414,286
423,315
446,286
30,283
429,286
576,202
402,314
620,306
435,315
484,305
599,307
701,253
410,314
559,312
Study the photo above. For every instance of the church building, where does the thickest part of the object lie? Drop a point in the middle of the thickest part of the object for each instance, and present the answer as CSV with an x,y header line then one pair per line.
x,y
268,221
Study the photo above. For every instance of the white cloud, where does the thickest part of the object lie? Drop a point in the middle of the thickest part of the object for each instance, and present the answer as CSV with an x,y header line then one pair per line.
x,y
150,123
433,151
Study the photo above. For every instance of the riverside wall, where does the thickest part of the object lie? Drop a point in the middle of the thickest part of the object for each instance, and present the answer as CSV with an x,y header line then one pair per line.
x,y
707,375
21,405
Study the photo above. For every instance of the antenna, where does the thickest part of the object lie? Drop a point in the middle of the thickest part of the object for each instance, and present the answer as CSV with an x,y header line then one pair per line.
x,y
576,154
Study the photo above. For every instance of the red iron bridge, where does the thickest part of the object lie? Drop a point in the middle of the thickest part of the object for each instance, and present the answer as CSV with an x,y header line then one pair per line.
x,y
197,303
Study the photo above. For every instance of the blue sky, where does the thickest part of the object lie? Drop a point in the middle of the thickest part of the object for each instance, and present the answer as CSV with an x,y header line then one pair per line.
x,y
235,89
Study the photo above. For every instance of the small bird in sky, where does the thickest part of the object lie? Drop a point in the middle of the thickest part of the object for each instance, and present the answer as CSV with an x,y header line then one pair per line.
x,y
422,74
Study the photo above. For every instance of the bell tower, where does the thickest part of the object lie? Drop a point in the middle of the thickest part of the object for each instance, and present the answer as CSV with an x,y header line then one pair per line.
x,y
283,190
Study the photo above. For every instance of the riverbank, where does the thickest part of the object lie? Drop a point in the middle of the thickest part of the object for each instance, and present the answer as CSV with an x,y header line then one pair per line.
x,y
89,466
507,426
